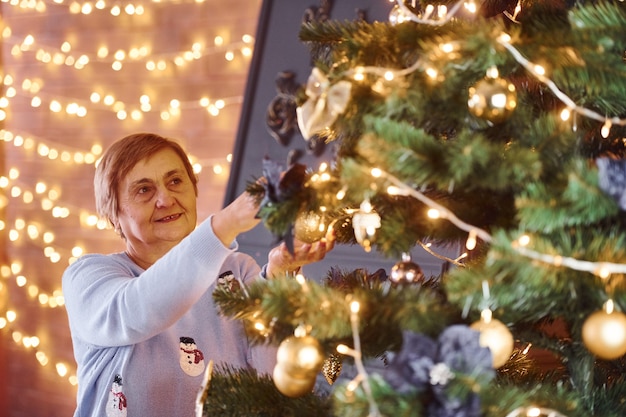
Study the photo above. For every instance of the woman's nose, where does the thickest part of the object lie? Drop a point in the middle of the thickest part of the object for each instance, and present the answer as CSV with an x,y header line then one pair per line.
x,y
164,197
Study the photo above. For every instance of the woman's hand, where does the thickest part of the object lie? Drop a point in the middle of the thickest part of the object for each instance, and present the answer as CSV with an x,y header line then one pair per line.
x,y
238,217
281,262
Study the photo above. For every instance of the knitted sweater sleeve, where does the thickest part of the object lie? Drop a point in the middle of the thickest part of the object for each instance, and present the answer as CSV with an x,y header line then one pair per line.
x,y
110,301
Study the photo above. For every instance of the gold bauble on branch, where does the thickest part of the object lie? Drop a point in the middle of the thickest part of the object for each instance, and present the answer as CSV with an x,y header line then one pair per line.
x,y
292,385
300,355
309,227
497,337
492,99
298,361
604,334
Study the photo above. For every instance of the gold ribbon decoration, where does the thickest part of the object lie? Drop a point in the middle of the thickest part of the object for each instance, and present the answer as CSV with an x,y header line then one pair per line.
x,y
325,103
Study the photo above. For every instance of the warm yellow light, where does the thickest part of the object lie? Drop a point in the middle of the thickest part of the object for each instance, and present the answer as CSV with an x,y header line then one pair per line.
x,y
446,47
470,6
433,213
55,106
20,280
343,349
523,240
16,191
42,358
533,412
33,290
61,369
87,8
43,299
606,129
11,316
432,73
91,220
103,52
53,194
32,231
470,244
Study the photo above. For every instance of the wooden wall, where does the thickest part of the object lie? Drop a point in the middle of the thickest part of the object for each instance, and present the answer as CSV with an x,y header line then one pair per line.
x,y
36,140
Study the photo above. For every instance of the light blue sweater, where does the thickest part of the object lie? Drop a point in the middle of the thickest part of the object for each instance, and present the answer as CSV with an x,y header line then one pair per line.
x,y
143,338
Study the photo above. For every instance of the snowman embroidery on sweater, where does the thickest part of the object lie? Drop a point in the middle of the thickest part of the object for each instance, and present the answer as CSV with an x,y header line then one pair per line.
x,y
228,281
116,406
191,358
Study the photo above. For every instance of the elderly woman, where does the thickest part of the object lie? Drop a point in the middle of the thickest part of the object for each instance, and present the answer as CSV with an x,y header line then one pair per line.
x,y
143,322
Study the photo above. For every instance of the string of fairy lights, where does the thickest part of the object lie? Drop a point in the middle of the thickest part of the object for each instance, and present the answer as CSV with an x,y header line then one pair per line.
x,y
47,197
89,7
106,100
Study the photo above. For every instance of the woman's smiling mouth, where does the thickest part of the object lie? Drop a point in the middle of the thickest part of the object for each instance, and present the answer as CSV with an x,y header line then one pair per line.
x,y
169,218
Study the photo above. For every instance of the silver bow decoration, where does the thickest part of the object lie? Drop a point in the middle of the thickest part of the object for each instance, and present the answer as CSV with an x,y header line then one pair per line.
x,y
326,102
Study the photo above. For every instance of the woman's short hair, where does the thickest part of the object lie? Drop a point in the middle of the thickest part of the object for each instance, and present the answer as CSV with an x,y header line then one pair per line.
x,y
120,158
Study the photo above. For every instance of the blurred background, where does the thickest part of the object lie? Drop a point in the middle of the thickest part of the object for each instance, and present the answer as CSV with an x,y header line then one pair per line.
x,y
77,76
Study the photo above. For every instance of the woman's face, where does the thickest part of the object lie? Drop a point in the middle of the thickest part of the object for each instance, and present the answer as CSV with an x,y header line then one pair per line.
x,y
157,204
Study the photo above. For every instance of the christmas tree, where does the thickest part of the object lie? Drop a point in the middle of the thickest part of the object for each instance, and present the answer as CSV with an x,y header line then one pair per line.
x,y
497,124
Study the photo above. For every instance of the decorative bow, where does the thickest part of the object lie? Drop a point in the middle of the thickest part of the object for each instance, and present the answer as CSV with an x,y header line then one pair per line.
x,y
427,366
326,102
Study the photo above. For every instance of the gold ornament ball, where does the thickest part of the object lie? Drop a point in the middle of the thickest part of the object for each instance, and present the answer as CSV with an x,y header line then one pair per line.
x,y
292,385
498,338
300,355
309,227
604,334
492,99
